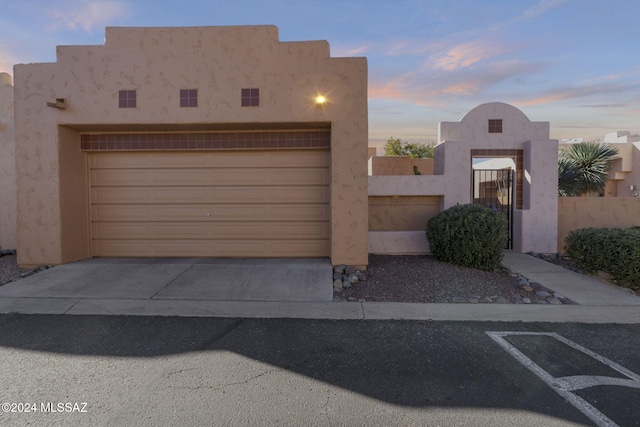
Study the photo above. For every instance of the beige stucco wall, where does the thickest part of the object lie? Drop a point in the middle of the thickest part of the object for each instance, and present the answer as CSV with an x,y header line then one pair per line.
x,y
7,166
535,227
402,213
158,62
596,212
399,165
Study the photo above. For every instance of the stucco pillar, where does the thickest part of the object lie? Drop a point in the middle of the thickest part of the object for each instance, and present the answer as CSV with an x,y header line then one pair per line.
x,y
349,197
539,218
7,166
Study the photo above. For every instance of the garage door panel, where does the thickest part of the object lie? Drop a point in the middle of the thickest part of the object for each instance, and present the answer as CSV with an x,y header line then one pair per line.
x,y
217,195
140,195
227,230
221,248
209,213
242,204
189,177
218,159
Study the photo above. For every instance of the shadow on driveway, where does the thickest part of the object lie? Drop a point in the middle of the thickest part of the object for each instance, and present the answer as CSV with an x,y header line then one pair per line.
x,y
417,364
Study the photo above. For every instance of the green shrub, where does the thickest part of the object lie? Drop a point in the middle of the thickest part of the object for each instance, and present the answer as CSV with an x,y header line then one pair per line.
x,y
469,236
613,250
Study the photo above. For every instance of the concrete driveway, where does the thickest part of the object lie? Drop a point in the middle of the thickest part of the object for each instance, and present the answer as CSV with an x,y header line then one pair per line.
x,y
181,278
284,288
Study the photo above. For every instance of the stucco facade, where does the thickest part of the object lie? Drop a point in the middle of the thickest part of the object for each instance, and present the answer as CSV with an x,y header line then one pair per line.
x,y
535,191
625,175
7,166
60,107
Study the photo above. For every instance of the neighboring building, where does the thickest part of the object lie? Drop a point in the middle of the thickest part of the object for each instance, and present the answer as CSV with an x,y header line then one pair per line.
x,y
188,142
625,175
7,166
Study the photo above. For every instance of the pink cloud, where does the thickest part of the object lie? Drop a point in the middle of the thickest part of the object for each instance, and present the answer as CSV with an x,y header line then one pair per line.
x,y
393,89
464,88
585,91
350,51
538,9
466,54
88,15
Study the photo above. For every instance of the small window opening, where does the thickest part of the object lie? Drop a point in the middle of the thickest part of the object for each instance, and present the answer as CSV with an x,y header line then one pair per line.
x,y
188,97
250,97
495,125
127,99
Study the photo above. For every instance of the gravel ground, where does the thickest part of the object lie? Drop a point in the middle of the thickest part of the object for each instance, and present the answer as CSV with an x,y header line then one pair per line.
x,y
420,278
9,269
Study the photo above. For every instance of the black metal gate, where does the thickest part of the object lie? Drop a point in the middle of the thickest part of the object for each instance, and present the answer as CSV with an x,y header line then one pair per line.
x,y
494,189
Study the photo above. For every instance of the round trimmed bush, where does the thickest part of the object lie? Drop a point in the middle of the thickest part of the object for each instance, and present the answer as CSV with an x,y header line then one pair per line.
x,y
469,236
614,250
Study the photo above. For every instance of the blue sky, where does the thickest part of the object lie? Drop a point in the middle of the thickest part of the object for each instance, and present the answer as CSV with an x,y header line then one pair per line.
x,y
574,63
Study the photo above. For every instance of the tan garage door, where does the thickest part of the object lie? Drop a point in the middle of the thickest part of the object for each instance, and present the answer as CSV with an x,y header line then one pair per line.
x,y
210,204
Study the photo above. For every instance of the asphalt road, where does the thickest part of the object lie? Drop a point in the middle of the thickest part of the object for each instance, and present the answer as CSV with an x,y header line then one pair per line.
x,y
108,370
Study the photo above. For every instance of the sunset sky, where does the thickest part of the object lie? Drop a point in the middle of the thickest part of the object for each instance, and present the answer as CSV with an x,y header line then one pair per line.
x,y
574,63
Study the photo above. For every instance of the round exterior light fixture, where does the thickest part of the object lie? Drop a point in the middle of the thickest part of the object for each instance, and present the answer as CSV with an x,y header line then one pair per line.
x,y
321,99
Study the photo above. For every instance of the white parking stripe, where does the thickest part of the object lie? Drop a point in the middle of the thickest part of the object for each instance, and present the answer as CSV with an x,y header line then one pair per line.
x,y
579,382
565,386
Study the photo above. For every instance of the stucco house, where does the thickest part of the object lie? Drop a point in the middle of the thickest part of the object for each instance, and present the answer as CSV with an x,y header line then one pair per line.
x,y
625,174
188,142
620,206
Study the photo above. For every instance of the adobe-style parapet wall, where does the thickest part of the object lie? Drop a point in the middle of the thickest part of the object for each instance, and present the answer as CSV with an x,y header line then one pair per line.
x,y
493,130
399,165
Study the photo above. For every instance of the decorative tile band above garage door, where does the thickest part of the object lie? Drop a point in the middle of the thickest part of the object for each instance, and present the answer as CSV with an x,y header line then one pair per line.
x,y
232,140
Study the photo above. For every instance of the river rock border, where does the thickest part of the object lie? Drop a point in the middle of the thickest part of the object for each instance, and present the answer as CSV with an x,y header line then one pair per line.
x,y
530,292
345,276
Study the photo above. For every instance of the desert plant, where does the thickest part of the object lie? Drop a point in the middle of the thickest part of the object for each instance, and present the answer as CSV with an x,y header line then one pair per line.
x,y
584,168
613,250
397,147
567,174
468,235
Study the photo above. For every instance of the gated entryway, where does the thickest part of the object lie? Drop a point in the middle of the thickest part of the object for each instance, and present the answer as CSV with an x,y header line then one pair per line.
x,y
494,189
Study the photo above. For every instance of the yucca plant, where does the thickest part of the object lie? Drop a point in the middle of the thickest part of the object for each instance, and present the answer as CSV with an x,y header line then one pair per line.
x,y
567,174
584,168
